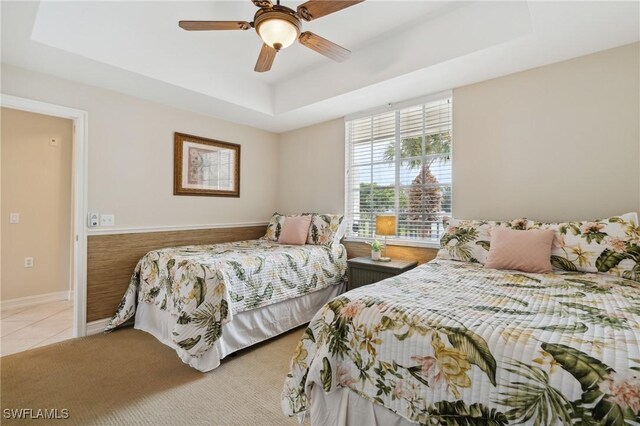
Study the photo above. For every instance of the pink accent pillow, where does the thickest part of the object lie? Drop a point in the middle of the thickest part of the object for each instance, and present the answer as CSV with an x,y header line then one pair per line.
x,y
527,251
295,230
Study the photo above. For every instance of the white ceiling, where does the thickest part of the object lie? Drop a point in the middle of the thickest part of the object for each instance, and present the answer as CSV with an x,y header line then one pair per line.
x,y
401,50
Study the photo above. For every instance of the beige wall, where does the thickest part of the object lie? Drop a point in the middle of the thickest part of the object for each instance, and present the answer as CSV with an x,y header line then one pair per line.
x,y
312,169
131,155
557,142
553,143
36,182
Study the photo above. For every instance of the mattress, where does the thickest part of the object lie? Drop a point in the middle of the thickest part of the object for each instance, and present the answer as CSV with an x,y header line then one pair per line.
x,y
454,343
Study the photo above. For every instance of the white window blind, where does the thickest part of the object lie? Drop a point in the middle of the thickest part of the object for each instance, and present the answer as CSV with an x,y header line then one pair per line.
x,y
399,162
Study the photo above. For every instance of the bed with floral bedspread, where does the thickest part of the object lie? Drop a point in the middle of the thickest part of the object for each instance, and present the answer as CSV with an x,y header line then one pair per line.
x,y
454,343
205,286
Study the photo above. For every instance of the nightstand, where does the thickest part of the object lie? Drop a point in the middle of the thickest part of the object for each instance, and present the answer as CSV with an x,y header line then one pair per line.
x,y
363,270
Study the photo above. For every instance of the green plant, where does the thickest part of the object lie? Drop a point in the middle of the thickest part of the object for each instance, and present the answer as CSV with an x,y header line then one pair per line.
x,y
425,195
376,246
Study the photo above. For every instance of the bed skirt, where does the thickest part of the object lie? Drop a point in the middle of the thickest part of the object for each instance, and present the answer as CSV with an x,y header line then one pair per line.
x,y
343,407
245,329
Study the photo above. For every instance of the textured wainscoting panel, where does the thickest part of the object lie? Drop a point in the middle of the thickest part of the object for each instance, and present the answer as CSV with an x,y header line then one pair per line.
x,y
111,259
421,254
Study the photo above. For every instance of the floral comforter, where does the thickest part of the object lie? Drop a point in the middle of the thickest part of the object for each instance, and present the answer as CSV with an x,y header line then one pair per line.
x,y
204,286
453,343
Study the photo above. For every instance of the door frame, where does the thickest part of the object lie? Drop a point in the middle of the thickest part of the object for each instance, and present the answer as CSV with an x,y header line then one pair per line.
x,y
80,188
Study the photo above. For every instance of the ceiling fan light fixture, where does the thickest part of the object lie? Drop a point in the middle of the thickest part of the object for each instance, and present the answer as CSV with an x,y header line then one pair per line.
x,y
278,32
277,29
280,26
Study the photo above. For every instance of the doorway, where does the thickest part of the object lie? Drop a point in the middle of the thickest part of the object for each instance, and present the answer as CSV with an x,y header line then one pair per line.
x,y
57,309
36,290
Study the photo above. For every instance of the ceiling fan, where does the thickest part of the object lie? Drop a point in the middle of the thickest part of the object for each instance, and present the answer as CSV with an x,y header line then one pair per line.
x,y
279,26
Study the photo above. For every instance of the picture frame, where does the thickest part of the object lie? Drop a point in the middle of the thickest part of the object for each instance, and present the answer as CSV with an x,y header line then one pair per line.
x,y
205,167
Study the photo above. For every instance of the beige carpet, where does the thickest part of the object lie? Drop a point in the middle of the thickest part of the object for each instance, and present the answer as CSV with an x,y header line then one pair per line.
x,y
128,377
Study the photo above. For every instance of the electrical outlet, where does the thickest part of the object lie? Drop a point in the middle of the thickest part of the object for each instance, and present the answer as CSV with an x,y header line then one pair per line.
x,y
28,262
93,220
107,220
53,142
14,217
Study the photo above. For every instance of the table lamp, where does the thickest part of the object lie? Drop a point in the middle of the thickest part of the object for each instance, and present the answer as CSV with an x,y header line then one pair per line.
x,y
385,225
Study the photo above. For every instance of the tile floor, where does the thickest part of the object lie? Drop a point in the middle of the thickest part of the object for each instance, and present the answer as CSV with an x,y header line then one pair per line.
x,y
35,326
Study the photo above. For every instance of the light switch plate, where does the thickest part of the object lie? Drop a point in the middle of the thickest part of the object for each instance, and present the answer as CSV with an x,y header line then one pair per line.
x,y
92,220
107,220
53,141
14,217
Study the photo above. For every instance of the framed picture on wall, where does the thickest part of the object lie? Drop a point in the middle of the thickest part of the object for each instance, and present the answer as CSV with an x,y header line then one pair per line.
x,y
205,167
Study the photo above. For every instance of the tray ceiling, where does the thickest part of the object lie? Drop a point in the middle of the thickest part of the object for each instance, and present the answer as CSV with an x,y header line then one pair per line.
x,y
401,49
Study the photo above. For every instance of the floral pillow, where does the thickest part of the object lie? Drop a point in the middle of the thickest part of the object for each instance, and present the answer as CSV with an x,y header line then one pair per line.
x,y
326,229
609,245
469,240
275,225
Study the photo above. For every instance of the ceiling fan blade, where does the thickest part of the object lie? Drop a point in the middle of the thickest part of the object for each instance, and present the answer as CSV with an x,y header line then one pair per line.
x,y
324,46
214,25
314,9
265,60
262,3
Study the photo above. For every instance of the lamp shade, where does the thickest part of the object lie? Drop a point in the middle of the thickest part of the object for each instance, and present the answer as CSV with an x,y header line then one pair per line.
x,y
386,225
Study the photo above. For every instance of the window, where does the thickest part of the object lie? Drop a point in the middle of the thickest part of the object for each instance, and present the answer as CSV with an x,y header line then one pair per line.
x,y
399,162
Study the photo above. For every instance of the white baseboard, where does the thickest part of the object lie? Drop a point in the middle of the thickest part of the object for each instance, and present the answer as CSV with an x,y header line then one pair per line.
x,y
96,327
21,302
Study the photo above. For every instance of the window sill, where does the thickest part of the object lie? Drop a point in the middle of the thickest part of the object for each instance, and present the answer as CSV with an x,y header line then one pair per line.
x,y
394,242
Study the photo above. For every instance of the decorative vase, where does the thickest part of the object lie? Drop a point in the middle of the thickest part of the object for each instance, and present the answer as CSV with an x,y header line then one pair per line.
x,y
375,255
